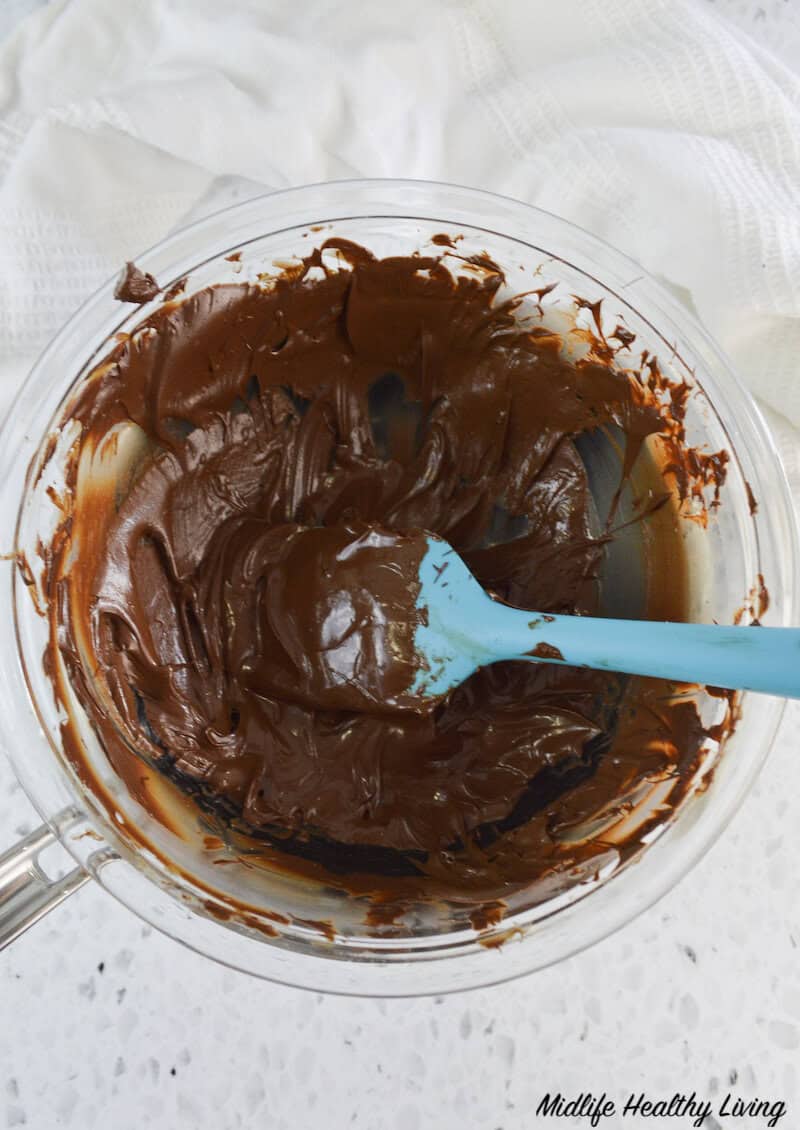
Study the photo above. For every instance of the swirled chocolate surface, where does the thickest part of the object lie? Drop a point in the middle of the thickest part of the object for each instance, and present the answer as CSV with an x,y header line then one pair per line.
x,y
388,395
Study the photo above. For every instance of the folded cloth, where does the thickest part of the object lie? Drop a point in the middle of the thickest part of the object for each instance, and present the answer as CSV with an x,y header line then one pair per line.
x,y
660,126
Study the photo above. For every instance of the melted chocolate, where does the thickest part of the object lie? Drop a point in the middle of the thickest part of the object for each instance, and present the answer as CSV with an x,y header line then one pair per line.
x,y
547,651
390,394
135,286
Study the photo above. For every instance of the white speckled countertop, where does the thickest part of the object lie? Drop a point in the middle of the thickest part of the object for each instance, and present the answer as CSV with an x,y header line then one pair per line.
x,y
104,1022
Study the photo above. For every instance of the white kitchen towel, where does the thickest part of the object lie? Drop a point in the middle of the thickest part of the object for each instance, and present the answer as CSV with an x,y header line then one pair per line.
x,y
656,124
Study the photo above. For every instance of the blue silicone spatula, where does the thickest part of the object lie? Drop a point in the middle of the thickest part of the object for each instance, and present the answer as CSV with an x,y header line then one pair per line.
x,y
466,629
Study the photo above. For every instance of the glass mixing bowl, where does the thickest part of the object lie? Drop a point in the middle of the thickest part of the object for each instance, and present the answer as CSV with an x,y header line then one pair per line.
x,y
274,927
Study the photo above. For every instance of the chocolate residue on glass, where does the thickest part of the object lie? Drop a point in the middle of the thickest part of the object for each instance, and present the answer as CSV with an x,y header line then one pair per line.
x,y
175,290
388,393
135,286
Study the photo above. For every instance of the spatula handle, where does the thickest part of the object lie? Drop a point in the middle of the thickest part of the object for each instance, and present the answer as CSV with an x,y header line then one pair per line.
x,y
744,658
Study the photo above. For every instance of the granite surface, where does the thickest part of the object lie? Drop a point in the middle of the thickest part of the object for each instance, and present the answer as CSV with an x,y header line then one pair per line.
x,y
104,1022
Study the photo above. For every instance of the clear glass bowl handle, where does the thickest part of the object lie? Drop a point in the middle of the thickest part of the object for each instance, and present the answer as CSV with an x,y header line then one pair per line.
x,y
26,893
